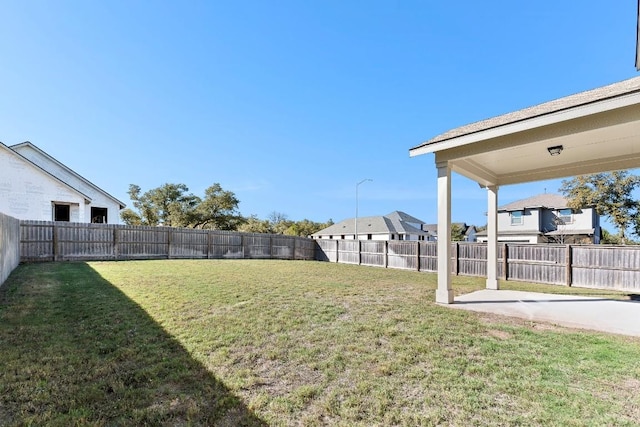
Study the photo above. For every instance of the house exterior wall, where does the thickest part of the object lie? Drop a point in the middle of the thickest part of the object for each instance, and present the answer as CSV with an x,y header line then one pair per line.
x,y
27,192
580,220
513,238
80,212
530,221
536,221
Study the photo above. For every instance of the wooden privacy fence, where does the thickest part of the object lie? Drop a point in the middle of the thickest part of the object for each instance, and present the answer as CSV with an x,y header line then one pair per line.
x,y
65,241
590,266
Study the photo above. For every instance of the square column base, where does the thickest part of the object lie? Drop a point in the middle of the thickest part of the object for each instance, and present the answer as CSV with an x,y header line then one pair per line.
x,y
444,296
493,284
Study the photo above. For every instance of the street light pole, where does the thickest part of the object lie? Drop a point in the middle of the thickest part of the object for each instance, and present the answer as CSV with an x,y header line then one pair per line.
x,y
356,223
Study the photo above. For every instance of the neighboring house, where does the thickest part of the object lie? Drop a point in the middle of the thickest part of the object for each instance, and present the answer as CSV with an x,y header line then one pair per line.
x,y
546,218
469,231
34,185
394,226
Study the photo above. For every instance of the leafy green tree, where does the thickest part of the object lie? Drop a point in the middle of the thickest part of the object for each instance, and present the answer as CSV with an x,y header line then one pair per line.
x,y
218,210
253,224
609,239
173,206
457,232
306,227
610,194
278,223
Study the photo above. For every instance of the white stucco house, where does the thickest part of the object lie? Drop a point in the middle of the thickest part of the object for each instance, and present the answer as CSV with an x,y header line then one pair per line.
x,y
35,186
545,218
396,225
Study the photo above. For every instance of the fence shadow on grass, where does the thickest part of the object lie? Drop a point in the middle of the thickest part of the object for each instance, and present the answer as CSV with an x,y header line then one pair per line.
x,y
75,350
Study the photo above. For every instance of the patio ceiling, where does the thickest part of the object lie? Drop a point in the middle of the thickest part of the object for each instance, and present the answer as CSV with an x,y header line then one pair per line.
x,y
599,130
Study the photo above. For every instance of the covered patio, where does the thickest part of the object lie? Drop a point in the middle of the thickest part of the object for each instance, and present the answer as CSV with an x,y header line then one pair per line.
x,y
589,132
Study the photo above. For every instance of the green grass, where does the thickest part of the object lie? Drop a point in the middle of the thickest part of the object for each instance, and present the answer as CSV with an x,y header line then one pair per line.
x,y
225,342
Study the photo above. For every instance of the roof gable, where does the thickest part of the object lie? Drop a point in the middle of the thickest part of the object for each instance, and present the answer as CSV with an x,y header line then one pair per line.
x,y
27,145
44,171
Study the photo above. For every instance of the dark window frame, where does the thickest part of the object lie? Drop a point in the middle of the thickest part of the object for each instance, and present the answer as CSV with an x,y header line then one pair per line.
x,y
99,215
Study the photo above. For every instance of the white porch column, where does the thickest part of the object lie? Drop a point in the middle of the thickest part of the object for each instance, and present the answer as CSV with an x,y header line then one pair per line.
x,y
444,293
492,237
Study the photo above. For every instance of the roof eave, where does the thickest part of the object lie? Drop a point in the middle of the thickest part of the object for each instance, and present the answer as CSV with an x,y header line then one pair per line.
x,y
536,121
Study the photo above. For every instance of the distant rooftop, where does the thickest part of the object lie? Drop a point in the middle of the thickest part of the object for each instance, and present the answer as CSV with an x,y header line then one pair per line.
x,y
551,201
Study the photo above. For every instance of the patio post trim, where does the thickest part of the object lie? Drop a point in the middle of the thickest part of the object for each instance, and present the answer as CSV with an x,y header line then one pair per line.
x,y
444,293
492,237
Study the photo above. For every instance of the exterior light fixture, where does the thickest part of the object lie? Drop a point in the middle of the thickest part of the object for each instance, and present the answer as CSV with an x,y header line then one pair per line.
x,y
555,150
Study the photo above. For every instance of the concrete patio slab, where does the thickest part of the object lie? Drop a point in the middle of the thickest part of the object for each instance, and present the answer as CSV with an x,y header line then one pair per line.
x,y
598,314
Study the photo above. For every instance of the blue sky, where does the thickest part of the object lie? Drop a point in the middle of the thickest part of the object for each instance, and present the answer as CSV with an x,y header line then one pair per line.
x,y
290,103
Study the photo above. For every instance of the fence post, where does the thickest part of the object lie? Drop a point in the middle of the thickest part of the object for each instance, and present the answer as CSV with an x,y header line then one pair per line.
x,y
456,259
386,254
116,242
569,267
244,254
56,243
293,255
168,243
359,248
337,250
505,262
271,246
208,243
418,255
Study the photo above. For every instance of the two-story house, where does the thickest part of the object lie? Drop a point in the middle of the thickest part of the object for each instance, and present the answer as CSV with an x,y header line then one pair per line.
x,y
35,186
545,218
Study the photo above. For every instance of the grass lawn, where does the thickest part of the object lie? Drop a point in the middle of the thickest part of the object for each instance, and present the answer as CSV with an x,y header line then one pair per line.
x,y
238,342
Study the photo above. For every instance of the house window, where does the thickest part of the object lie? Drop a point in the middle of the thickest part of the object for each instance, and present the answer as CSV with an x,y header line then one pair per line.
x,y
342,237
516,218
393,236
369,236
61,212
564,216
99,215
330,236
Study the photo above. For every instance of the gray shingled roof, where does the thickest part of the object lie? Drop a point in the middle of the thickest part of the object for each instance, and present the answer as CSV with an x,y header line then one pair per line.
x,y
551,201
395,222
616,89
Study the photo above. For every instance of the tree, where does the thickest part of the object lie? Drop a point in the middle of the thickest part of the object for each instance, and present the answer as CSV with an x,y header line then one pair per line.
x,y
278,223
218,210
457,232
610,194
253,224
171,205
609,239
